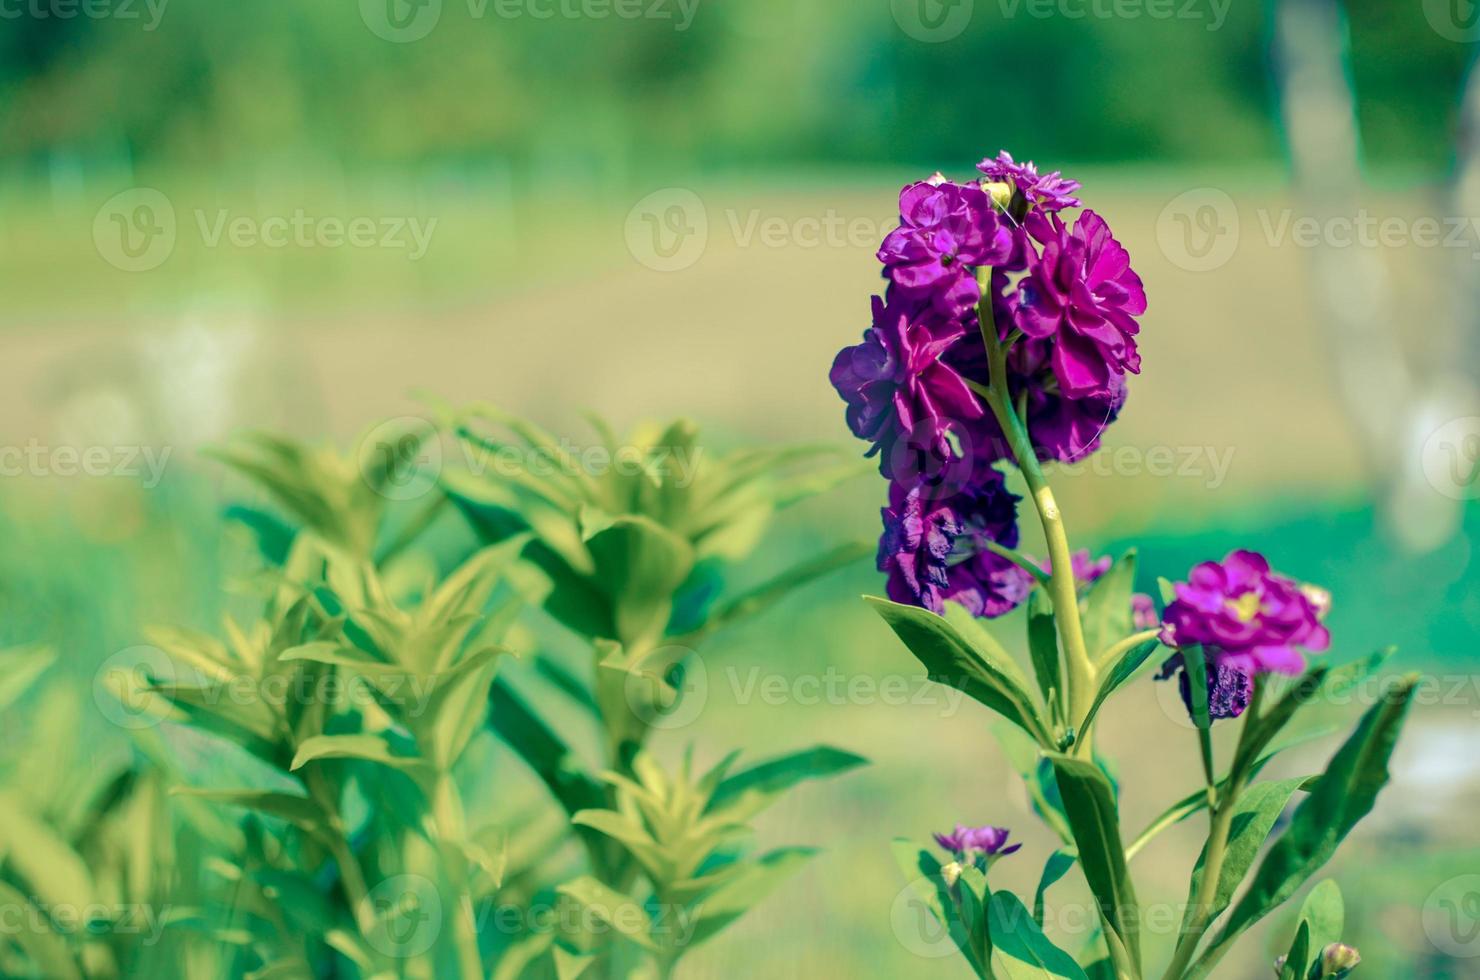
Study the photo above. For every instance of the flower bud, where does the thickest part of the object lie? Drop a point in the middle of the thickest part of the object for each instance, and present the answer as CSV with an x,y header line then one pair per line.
x,y
952,872
1000,192
1338,959
1319,598
1279,963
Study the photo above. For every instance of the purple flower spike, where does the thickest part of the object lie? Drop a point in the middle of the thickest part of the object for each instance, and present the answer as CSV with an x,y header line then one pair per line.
x,y
1245,616
966,842
898,391
945,230
1082,292
1047,192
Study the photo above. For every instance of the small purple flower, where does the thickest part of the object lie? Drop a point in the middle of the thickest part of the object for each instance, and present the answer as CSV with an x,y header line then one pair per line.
x,y
915,549
966,842
945,230
1245,616
989,585
1048,192
897,388
1086,568
1229,689
1143,612
1081,292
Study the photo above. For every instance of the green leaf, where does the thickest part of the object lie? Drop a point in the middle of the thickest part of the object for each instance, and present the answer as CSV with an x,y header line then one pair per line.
x,y
952,660
1022,755
46,949
1058,865
751,790
544,752
19,669
1043,646
1325,913
727,903
1346,793
368,748
1089,802
1298,956
300,811
1254,815
53,870
1107,607
1195,662
1020,950
622,912
769,593
639,566
569,966
1127,667
928,885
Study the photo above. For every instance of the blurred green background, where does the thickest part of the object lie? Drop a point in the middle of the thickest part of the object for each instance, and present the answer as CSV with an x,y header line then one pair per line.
x,y
674,213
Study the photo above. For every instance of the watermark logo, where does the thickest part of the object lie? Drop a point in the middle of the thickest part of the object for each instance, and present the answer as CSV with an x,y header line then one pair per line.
x,y
915,924
401,459
933,21
121,687
1198,230
401,21
1454,20
408,916
1451,917
135,230
668,230
151,12
1451,458
668,689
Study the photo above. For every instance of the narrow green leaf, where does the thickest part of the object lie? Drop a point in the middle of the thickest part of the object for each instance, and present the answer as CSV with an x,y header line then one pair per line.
x,y
1127,667
928,886
1058,865
1107,607
1195,662
1043,646
368,748
751,790
1089,802
1346,793
951,660
46,949
1325,913
1020,949
1298,956
622,912
767,594
715,910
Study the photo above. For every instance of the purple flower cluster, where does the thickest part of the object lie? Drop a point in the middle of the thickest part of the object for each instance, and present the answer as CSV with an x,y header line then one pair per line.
x,y
1245,616
1248,620
967,842
1062,296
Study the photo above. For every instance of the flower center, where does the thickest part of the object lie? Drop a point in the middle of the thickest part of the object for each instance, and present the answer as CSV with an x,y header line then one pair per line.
x,y
1245,607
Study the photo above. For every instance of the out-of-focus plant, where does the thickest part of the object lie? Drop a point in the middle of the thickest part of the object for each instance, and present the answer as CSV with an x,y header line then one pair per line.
x,y
1005,338
628,547
628,553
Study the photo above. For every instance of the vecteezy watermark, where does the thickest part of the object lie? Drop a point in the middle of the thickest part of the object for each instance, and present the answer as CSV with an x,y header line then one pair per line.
x,y
1199,230
145,463
668,230
668,689
660,919
933,21
137,230
150,12
407,911
1454,20
1451,458
404,21
1210,464
141,922
835,688
1451,917
1213,13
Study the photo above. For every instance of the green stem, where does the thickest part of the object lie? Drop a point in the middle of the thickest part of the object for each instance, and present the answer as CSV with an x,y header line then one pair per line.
x,y
351,878
1061,586
1221,819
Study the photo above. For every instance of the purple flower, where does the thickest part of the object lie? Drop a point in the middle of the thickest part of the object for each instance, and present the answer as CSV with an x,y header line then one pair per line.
x,y
945,229
1048,192
897,388
1087,570
965,842
1245,616
1143,612
1229,689
1081,292
934,550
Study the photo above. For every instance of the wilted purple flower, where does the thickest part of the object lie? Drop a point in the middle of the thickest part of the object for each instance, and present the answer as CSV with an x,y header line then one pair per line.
x,y
1229,689
989,585
897,388
945,230
1048,192
965,842
1081,292
1245,616
934,550
1143,612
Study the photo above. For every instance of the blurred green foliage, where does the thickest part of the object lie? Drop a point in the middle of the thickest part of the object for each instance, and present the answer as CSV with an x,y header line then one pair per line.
x,y
763,81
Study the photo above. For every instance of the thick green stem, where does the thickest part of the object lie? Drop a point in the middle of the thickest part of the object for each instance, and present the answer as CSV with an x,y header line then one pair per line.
x,y
1061,586
1203,902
